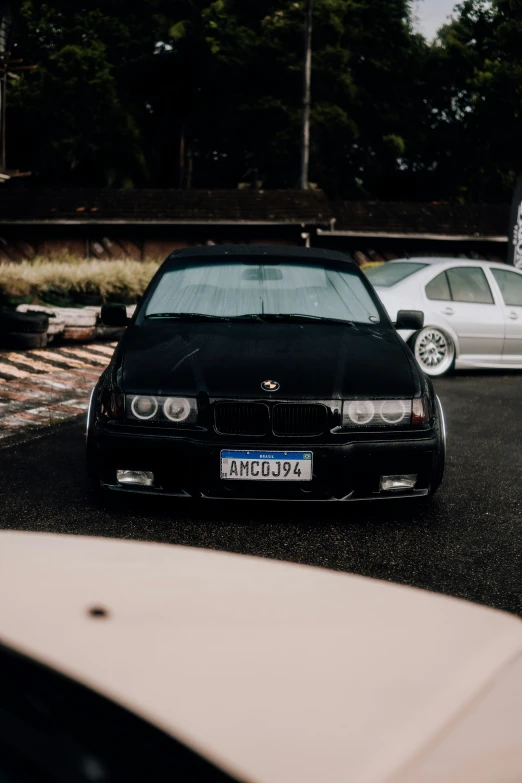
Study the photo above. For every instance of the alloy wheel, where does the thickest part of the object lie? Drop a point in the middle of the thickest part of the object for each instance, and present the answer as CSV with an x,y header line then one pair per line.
x,y
434,351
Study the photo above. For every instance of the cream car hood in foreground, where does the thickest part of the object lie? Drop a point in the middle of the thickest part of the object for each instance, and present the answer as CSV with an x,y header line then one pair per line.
x,y
278,673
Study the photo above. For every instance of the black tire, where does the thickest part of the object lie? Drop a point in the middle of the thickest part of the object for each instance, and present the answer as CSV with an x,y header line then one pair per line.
x,y
91,300
440,456
23,323
439,460
23,340
96,490
92,454
90,463
56,297
109,333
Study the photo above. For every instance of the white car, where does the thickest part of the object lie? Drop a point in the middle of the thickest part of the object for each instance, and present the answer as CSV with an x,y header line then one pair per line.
x,y
472,310
127,661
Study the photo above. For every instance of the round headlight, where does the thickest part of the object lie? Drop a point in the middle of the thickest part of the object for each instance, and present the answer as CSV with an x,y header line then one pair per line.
x,y
177,409
393,411
144,407
361,411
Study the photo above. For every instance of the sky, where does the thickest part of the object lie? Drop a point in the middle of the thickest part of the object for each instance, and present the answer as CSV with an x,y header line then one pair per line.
x,y
432,14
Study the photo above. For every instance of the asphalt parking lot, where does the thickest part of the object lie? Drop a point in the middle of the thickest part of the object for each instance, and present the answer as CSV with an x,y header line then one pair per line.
x,y
468,543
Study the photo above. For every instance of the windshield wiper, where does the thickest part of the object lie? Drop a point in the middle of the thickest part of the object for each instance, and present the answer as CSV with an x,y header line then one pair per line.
x,y
264,317
288,317
247,317
190,316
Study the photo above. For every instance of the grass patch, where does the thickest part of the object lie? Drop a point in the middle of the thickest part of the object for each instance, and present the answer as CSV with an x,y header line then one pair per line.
x,y
41,281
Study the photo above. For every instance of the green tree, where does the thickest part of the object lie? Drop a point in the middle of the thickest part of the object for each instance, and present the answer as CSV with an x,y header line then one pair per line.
x,y
474,78
365,82
123,86
79,117
496,91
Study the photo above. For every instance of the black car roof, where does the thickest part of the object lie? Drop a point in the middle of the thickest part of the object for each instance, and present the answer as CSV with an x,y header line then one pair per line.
x,y
278,251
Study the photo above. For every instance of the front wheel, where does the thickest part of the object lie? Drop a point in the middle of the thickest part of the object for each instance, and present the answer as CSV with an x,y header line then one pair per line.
x,y
95,486
434,351
440,455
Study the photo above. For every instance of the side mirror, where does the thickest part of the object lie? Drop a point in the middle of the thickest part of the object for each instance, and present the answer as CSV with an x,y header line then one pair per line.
x,y
114,315
410,319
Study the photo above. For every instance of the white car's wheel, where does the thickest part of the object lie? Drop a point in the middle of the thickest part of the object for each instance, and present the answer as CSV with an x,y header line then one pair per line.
x,y
434,350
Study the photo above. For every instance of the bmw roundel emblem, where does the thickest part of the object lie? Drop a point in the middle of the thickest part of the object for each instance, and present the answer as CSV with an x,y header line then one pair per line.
x,y
270,386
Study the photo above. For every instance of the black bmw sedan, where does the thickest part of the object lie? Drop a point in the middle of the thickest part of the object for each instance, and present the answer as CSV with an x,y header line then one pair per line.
x,y
264,373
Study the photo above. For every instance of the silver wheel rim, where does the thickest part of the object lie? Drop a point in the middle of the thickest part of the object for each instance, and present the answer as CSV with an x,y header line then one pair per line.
x,y
434,351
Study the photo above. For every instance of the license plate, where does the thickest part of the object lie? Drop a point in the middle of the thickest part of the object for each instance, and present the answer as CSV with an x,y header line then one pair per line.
x,y
267,465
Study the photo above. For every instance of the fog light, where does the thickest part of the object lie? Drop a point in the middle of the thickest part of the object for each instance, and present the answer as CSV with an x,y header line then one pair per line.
x,y
407,481
139,478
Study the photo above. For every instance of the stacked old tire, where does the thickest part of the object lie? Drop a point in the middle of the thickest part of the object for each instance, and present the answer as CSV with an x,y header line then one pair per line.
x,y
23,330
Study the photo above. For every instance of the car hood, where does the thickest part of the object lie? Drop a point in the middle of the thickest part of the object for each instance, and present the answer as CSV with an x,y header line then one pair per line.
x,y
314,361
274,671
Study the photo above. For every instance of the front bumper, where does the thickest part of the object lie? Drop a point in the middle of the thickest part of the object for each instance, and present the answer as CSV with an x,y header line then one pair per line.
x,y
187,467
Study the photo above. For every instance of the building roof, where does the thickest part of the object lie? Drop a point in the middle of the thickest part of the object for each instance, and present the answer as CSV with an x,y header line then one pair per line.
x,y
401,220
155,207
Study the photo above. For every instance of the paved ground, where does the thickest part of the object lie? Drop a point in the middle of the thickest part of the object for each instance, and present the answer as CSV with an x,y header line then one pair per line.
x,y
43,388
468,543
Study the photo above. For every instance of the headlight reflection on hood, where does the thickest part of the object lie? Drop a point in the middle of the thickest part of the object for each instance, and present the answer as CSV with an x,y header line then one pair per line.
x,y
146,407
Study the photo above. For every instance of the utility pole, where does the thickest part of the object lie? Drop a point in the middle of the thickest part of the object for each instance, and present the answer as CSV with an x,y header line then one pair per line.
x,y
307,90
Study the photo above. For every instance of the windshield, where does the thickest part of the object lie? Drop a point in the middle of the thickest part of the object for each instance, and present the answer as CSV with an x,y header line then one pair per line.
x,y
235,289
390,274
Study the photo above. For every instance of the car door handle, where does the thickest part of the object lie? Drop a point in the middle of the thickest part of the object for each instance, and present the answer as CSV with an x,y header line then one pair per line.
x,y
513,316
448,311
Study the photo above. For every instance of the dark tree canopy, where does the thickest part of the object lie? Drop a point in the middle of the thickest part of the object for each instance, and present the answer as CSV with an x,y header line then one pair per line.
x,y
208,94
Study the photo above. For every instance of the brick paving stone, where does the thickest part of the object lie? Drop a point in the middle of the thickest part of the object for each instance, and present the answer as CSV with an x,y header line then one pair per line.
x,y
53,386
75,353
28,362
57,358
102,349
9,372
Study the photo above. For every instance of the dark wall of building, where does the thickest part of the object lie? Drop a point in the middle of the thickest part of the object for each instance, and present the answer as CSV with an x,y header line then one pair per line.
x,y
370,249
156,242
140,243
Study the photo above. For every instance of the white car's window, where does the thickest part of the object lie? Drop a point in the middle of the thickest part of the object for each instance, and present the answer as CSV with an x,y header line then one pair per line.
x,y
228,290
390,274
510,284
469,284
438,288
